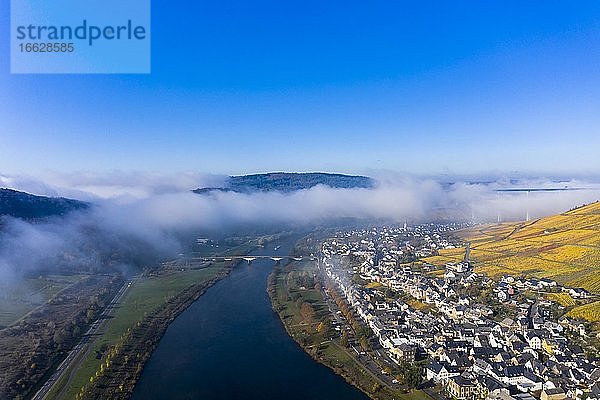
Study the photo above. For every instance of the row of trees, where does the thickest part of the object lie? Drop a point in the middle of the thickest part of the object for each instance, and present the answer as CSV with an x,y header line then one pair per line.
x,y
361,332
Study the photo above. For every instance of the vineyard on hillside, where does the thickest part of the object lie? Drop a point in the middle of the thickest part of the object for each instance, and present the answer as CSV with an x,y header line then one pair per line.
x,y
564,247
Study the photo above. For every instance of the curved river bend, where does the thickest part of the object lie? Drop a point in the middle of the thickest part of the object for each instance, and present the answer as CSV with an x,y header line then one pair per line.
x,y
230,345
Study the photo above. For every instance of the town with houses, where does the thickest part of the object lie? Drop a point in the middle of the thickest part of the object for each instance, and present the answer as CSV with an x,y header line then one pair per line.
x,y
474,337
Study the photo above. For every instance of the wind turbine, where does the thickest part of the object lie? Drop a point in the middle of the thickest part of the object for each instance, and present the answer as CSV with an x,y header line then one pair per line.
x,y
498,205
527,205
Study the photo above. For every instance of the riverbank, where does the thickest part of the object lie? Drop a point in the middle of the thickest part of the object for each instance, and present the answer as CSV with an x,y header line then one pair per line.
x,y
231,345
297,298
112,363
122,365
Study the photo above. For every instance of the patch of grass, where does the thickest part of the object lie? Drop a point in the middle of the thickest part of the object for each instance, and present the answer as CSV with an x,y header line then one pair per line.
x,y
374,285
18,299
417,304
11,311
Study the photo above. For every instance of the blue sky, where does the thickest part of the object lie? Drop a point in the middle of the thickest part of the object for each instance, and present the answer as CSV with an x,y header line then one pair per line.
x,y
237,87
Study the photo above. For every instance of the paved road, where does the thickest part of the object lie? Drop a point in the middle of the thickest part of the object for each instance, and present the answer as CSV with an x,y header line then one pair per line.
x,y
82,345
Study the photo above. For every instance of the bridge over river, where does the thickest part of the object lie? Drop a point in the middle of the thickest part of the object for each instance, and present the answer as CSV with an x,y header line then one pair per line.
x,y
189,261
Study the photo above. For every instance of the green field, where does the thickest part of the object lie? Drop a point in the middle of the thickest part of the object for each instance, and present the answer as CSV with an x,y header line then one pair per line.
x,y
19,298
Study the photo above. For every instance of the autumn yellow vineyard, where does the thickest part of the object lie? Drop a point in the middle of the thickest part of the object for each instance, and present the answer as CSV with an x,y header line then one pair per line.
x,y
590,312
564,247
564,299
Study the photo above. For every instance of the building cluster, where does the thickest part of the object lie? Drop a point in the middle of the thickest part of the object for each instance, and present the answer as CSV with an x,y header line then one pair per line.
x,y
445,320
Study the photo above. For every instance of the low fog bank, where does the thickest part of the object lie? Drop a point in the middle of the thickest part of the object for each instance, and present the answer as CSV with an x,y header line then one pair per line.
x,y
135,222
88,186
79,242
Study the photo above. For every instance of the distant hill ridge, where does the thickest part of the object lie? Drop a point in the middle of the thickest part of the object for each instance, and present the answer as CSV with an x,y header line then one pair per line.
x,y
28,206
289,182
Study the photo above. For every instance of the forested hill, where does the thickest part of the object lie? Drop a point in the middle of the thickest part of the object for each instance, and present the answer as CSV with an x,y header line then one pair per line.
x,y
289,182
27,206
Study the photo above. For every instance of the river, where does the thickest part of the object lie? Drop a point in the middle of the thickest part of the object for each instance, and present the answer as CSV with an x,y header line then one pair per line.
x,y
230,345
